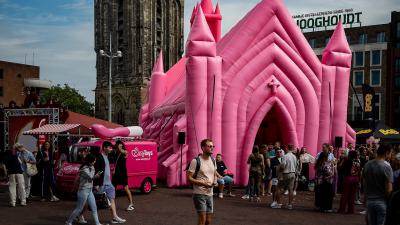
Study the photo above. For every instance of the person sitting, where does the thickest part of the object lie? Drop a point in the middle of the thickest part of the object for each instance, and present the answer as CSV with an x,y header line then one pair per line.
x,y
225,180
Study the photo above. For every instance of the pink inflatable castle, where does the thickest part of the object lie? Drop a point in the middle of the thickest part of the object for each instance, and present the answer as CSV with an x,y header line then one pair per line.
x,y
261,81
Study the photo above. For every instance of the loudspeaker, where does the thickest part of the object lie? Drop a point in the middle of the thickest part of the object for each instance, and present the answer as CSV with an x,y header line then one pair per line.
x,y
181,138
338,142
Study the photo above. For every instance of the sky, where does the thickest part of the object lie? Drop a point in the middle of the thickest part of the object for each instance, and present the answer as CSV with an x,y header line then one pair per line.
x,y
58,35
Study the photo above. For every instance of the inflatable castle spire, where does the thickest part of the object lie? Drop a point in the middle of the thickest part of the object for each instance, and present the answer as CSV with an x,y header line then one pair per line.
x,y
213,17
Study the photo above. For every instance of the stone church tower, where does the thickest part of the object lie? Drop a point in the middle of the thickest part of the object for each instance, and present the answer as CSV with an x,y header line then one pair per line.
x,y
139,29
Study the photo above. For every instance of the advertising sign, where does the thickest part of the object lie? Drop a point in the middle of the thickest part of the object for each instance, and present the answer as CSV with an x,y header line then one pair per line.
x,y
327,19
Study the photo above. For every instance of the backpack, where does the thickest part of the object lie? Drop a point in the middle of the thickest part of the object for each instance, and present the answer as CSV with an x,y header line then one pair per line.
x,y
198,164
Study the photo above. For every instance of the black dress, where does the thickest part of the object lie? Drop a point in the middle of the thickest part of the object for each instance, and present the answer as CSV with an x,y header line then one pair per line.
x,y
120,176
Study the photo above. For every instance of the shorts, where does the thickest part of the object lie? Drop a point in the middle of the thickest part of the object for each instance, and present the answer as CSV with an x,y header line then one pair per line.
x,y
109,190
226,180
203,203
287,182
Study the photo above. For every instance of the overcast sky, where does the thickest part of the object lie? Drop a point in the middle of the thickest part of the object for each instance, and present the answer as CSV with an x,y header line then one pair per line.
x,y
60,32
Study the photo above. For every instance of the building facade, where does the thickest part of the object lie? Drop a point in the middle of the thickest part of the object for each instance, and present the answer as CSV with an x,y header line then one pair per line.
x,y
374,63
140,30
15,79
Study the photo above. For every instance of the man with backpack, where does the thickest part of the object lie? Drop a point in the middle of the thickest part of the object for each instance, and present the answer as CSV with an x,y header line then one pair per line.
x,y
202,174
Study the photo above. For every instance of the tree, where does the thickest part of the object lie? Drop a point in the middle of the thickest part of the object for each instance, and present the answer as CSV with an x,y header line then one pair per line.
x,y
69,98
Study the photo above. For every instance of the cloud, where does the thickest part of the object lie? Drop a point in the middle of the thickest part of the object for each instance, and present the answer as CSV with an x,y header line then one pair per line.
x,y
81,5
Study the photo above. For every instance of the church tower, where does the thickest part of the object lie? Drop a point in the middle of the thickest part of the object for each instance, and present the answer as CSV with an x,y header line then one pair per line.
x,y
140,29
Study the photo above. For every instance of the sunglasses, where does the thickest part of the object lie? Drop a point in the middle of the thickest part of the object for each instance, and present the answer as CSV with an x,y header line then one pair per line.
x,y
211,146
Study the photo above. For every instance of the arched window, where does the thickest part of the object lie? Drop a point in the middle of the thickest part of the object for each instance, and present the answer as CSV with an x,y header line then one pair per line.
x,y
118,115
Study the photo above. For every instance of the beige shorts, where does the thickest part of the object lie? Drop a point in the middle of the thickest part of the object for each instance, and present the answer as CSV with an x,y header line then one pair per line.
x,y
287,182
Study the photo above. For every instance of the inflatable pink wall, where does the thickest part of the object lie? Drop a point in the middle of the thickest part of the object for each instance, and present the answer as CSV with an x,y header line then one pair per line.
x,y
262,70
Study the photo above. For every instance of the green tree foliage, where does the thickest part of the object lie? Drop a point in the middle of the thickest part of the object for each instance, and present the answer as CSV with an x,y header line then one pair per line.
x,y
69,98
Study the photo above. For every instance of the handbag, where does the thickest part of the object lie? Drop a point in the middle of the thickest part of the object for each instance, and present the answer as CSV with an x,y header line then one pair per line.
x,y
31,169
102,200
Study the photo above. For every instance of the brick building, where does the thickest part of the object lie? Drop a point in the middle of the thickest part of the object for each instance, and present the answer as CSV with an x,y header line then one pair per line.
x,y
139,29
16,79
376,58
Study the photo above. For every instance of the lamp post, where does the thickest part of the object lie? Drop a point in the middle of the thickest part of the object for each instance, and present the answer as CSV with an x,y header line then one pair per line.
x,y
110,55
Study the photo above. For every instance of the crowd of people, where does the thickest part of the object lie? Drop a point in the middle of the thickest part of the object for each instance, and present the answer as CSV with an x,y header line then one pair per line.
x,y
366,175
94,178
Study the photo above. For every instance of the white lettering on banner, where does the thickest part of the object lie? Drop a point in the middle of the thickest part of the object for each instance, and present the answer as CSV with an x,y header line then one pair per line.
x,y
70,169
141,155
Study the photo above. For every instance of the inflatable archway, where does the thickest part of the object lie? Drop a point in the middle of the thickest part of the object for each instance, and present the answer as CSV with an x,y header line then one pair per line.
x,y
261,72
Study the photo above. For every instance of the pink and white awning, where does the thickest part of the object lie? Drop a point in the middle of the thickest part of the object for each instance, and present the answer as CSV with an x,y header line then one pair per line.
x,y
51,129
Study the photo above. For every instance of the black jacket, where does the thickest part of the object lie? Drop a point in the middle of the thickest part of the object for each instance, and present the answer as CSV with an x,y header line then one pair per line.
x,y
100,165
12,163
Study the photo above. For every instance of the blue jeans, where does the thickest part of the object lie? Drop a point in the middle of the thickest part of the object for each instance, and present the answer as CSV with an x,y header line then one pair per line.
x,y
83,196
226,180
376,209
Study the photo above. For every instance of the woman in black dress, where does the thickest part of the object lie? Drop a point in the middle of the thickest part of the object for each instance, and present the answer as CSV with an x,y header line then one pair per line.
x,y
45,164
120,174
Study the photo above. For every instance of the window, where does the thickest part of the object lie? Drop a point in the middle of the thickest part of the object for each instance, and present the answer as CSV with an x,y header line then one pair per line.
x,y
363,39
1,73
348,38
358,106
1,91
381,37
358,78
398,30
313,42
396,103
377,107
359,59
376,57
397,73
327,40
375,78
397,65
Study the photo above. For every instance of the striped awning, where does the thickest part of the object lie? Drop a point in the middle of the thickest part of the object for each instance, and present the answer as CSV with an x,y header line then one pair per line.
x,y
51,129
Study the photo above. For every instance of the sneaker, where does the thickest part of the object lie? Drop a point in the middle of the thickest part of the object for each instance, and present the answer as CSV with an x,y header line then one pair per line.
x,y
294,193
277,206
231,195
269,194
363,212
23,203
220,195
54,199
68,223
81,220
286,192
245,197
118,220
130,207
358,202
289,206
273,204
328,211
12,204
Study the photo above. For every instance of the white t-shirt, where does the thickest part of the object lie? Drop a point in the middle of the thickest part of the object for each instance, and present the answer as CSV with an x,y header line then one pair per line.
x,y
206,173
289,163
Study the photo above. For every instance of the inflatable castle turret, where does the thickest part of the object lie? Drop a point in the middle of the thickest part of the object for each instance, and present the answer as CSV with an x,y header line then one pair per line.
x,y
203,72
157,83
213,17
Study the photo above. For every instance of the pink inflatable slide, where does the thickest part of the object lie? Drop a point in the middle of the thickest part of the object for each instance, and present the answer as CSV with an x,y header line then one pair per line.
x,y
260,83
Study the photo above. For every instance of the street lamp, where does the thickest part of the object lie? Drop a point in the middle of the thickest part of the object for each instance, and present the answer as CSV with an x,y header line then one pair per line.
x,y
110,57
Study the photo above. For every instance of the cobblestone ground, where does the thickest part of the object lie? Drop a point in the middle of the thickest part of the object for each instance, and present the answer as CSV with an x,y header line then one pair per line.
x,y
166,206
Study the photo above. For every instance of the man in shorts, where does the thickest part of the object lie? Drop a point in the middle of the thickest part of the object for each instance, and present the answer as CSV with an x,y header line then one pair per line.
x,y
288,168
103,183
203,182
